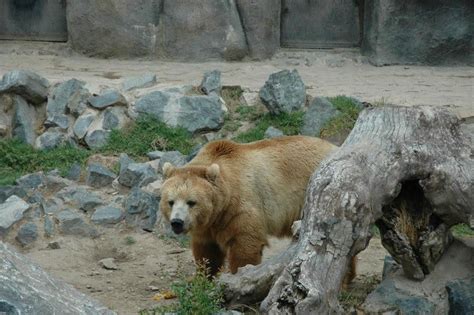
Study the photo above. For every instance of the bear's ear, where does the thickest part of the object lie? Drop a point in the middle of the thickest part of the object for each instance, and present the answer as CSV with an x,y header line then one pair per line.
x,y
213,172
168,169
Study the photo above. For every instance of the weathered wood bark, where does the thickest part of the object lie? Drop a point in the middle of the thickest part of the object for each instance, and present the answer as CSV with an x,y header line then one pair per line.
x,y
409,169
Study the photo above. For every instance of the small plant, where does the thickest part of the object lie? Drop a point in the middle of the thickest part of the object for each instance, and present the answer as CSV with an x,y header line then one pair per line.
x,y
231,96
129,240
249,113
199,295
344,122
462,230
289,123
357,293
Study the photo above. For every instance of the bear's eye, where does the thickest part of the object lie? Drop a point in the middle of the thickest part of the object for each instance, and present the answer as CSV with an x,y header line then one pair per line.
x,y
191,203
171,203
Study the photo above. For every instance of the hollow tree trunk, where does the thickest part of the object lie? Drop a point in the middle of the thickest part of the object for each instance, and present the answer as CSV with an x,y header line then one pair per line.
x,y
408,169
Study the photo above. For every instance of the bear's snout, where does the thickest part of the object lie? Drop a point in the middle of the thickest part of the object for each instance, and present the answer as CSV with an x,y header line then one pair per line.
x,y
177,225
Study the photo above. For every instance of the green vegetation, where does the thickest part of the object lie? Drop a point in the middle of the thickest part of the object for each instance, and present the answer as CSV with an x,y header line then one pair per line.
x,y
248,113
17,159
145,135
344,122
357,292
148,134
199,296
462,230
129,240
290,124
231,96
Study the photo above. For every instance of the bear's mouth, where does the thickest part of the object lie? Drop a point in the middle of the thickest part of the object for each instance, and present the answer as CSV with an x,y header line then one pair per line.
x,y
177,225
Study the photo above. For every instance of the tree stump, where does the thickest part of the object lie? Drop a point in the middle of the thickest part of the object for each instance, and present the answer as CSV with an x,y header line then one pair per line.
x,y
410,170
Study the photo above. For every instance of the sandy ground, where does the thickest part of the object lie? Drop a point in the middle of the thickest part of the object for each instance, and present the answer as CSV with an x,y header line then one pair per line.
x,y
325,72
152,263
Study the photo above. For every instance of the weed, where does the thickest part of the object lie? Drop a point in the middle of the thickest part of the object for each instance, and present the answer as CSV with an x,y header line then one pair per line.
x,y
129,240
249,113
17,158
462,230
358,291
230,124
289,123
231,96
199,296
349,111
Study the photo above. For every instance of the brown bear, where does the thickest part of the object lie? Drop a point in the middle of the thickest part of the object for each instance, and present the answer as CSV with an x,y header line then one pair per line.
x,y
231,196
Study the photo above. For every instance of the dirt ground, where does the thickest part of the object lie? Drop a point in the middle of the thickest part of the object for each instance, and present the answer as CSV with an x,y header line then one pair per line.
x,y
145,267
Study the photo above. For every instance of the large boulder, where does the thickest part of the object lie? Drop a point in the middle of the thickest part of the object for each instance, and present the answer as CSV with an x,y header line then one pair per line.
x,y
261,22
202,30
113,28
26,120
418,32
195,113
461,296
283,92
27,289
27,84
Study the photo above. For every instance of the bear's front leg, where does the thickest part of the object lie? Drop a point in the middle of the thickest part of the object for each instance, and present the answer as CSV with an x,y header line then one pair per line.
x,y
245,250
209,255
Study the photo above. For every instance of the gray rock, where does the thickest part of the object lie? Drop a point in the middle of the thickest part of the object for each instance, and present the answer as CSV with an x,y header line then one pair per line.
x,y
77,103
24,121
194,151
52,205
107,215
11,211
418,33
8,191
108,98
55,183
83,123
29,85
48,227
138,82
187,36
319,112
124,160
194,113
97,138
59,99
141,209
49,140
389,266
72,223
211,83
273,132
35,197
99,176
155,155
173,157
31,181
108,263
135,173
261,22
74,172
57,120
89,202
283,92
27,234
115,118
81,198
28,289
461,296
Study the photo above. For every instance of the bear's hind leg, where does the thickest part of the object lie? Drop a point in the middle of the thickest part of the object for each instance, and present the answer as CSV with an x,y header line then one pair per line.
x,y
245,250
209,255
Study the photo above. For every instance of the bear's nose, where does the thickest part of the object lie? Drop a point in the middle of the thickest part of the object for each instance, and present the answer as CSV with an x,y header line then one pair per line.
x,y
177,225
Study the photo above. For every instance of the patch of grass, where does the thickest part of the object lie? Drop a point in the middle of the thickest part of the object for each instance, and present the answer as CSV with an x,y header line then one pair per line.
x,y
374,230
17,159
357,292
249,113
148,134
231,124
231,96
199,296
290,124
462,230
349,111
129,240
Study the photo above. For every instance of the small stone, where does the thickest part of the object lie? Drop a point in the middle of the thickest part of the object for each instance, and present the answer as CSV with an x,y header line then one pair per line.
x,y
52,206
194,151
28,84
173,157
138,82
319,112
74,172
98,176
389,266
155,155
31,181
109,98
273,132
24,121
108,263
49,140
135,173
141,209
107,215
53,245
97,138
48,227
211,83
80,197
71,223
35,197
11,211
83,123
59,99
57,120
77,103
27,234
283,92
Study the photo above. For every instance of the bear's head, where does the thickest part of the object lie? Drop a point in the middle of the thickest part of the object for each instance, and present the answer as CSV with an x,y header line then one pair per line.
x,y
191,196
